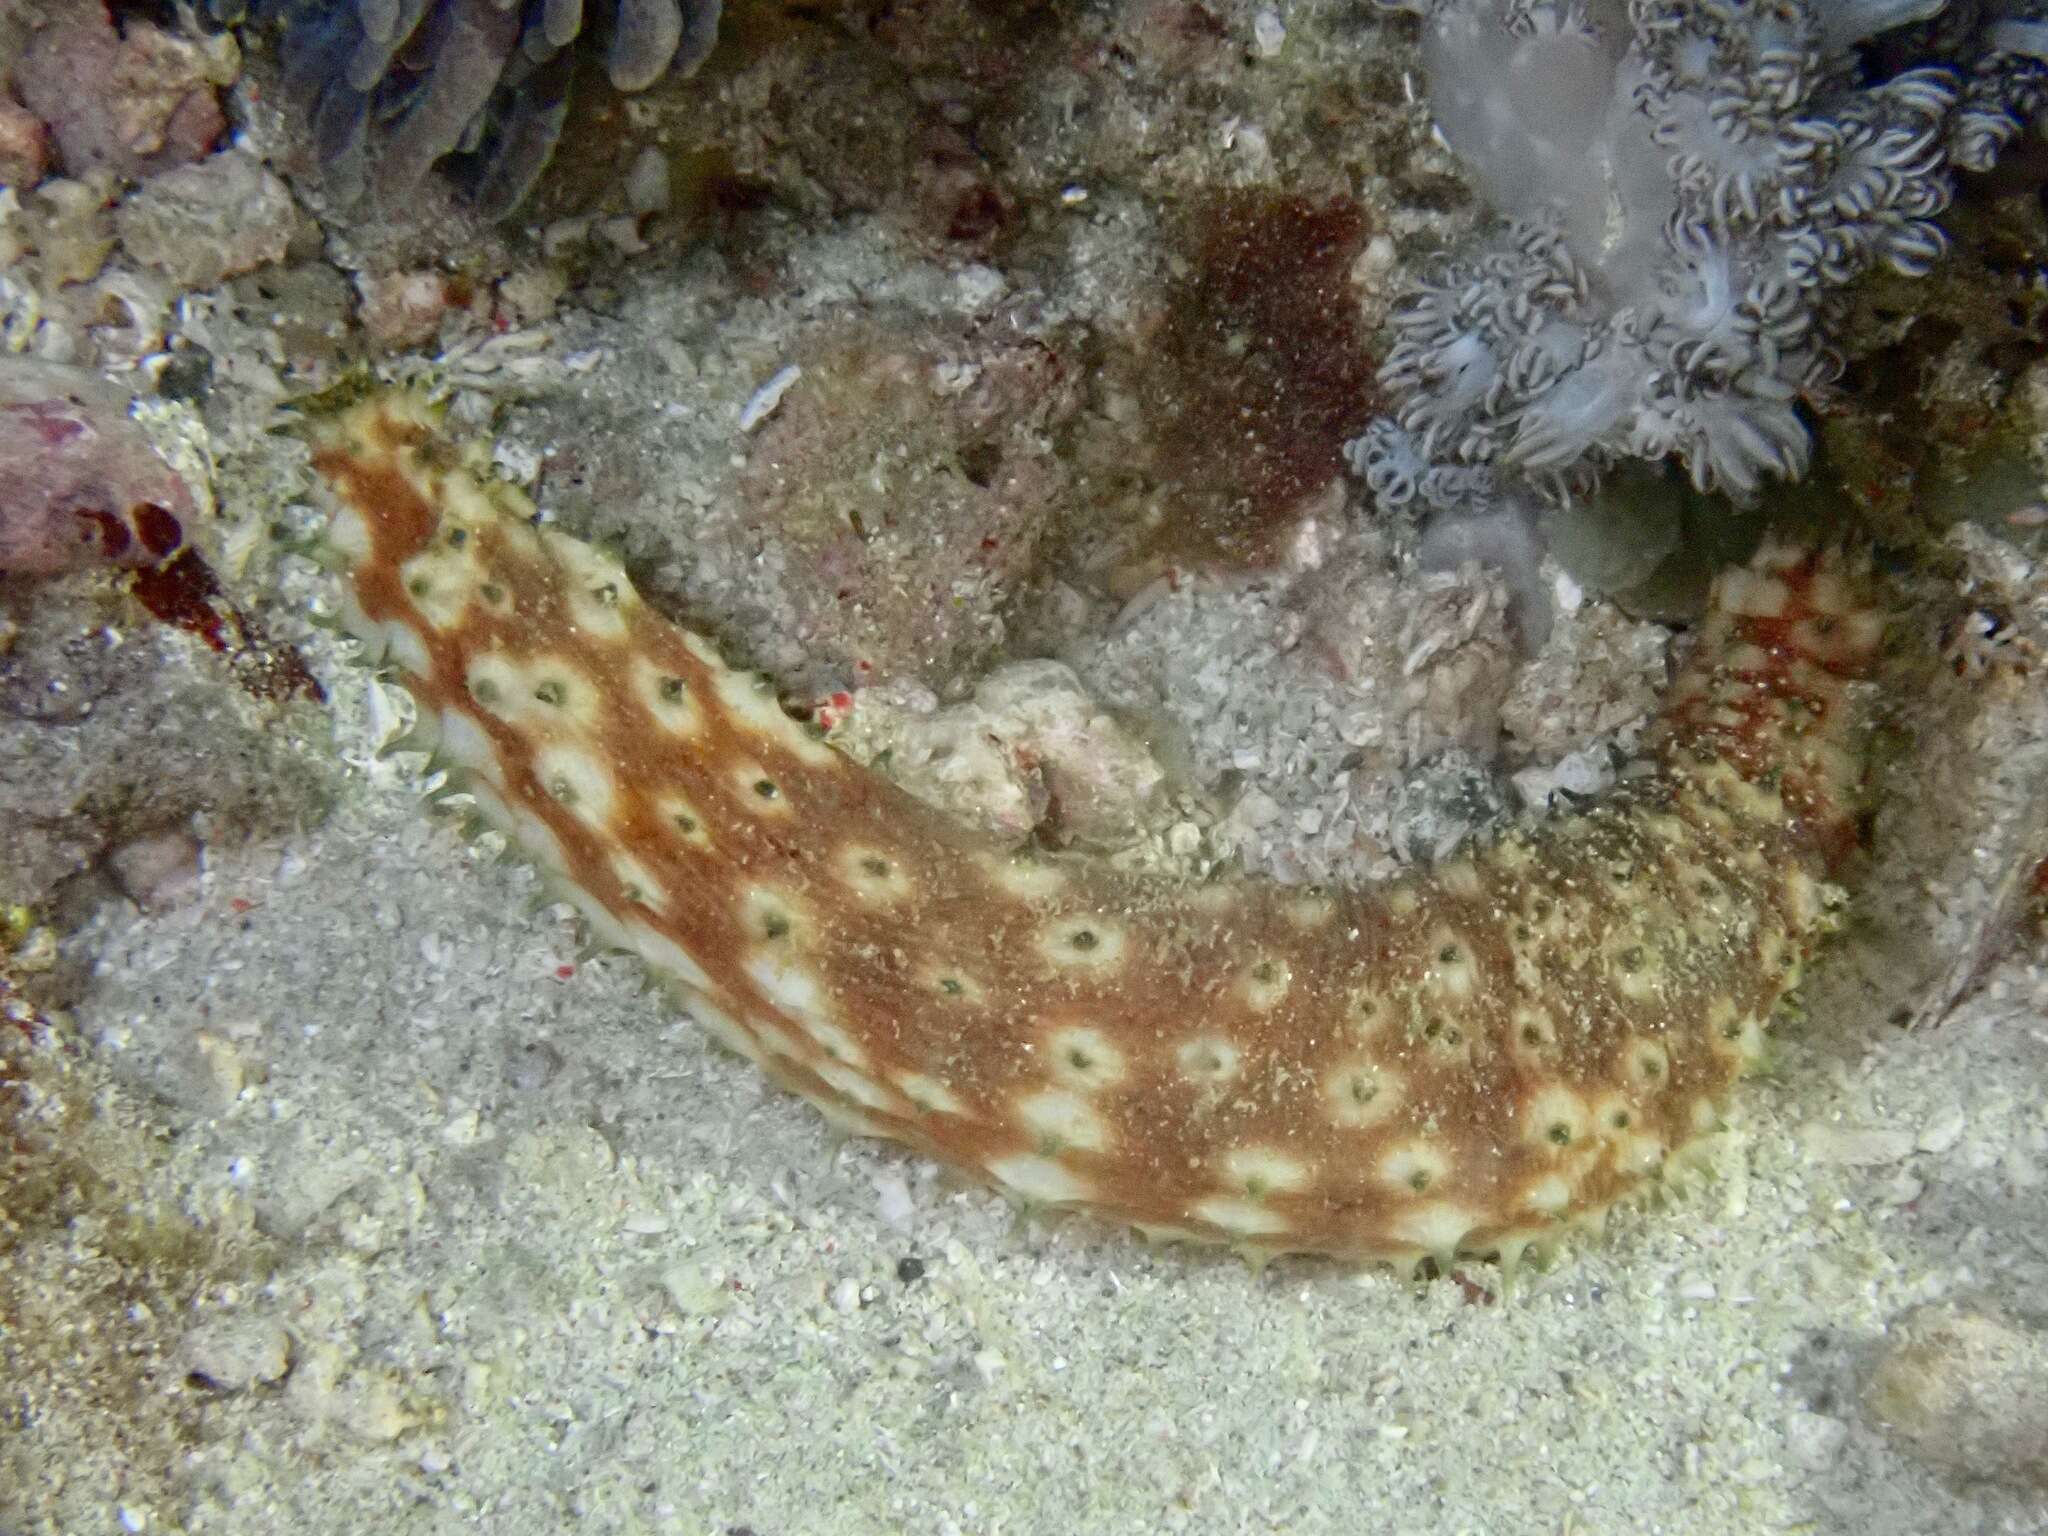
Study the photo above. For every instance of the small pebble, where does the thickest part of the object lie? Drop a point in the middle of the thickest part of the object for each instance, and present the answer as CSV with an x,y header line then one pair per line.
x,y
186,374
157,872
232,1354
531,1065
1943,1131
1815,1439
895,1205
647,182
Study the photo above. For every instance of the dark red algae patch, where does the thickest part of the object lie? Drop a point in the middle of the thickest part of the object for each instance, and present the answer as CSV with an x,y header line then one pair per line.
x,y
182,591
1258,375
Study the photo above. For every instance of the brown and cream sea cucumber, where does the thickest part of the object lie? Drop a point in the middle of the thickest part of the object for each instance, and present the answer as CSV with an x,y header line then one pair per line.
x,y
1462,1062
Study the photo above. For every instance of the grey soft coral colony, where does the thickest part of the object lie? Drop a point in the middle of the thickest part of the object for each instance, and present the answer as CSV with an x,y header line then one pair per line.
x,y
1688,185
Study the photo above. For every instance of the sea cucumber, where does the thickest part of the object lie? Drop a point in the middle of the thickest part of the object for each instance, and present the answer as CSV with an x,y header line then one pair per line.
x,y
1463,1062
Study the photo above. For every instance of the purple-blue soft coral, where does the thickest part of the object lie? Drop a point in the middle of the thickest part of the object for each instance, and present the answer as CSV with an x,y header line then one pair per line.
x,y
394,87
1686,187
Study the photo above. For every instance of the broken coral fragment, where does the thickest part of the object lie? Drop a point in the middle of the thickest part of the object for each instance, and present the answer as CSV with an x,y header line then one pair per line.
x,y
1031,754
205,223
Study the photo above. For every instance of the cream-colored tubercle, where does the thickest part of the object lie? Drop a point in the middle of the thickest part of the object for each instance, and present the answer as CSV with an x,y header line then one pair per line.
x,y
1463,1062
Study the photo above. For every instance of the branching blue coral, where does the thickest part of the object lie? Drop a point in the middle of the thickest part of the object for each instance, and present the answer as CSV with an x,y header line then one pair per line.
x,y
395,86
1687,185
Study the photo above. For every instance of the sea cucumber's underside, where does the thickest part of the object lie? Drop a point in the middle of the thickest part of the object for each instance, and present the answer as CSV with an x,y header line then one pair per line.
x,y
1466,1061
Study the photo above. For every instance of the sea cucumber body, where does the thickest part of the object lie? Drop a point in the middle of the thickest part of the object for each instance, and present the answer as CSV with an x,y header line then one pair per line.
x,y
1463,1062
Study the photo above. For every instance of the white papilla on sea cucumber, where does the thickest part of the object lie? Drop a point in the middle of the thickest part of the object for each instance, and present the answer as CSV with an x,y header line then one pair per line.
x,y
1466,1061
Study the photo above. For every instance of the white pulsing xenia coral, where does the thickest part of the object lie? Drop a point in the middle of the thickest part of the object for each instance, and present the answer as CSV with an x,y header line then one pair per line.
x,y
2002,46
1686,184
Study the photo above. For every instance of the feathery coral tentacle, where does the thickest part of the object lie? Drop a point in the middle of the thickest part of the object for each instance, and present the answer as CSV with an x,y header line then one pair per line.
x,y
1465,1061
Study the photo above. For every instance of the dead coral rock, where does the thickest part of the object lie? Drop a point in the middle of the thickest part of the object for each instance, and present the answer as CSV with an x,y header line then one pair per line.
x,y
1965,1390
63,235
131,102
207,222
866,138
1182,37
24,146
912,482
1030,754
1101,783
946,758
951,50
79,483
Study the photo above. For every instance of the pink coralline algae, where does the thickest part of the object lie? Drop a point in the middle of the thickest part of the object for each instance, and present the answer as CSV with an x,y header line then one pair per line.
x,y
79,483
131,102
24,145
